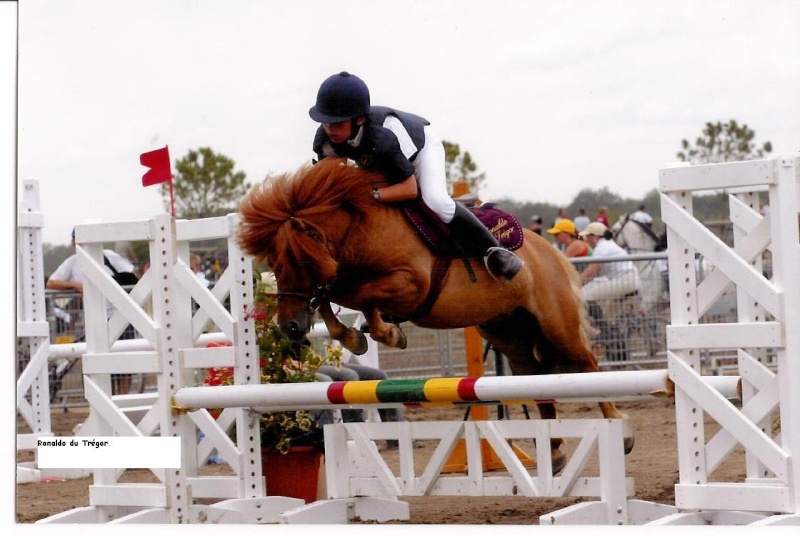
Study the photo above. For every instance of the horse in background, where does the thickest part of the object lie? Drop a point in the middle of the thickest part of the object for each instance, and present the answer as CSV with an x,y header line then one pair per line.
x,y
633,236
328,240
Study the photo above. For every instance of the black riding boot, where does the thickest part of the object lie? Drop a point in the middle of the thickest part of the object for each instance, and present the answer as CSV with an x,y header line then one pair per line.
x,y
477,240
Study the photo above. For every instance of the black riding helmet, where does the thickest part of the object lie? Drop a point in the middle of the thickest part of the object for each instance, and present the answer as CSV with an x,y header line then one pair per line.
x,y
341,97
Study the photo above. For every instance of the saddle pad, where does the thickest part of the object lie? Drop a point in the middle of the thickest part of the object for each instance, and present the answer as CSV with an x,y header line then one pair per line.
x,y
504,226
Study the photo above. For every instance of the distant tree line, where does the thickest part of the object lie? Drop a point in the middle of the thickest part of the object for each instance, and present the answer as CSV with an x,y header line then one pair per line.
x,y
207,184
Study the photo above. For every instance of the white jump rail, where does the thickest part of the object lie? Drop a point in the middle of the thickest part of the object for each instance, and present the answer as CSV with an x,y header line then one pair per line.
x,y
577,387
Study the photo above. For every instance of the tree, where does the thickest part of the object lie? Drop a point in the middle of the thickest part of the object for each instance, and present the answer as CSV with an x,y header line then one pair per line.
x,y
461,167
723,142
205,185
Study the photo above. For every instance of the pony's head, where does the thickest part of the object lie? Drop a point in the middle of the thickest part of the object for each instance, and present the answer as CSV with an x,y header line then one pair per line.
x,y
296,222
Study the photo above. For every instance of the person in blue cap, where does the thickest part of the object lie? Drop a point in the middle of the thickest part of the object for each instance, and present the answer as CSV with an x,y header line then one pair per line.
x,y
408,152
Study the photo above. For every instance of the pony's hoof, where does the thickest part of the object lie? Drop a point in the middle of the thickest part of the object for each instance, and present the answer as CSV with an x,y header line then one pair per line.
x,y
399,338
559,460
357,344
628,444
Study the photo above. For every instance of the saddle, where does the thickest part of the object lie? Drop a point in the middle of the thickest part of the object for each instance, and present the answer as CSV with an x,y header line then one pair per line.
x,y
434,232
436,235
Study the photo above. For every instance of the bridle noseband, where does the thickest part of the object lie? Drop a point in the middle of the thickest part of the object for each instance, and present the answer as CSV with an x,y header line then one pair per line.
x,y
315,299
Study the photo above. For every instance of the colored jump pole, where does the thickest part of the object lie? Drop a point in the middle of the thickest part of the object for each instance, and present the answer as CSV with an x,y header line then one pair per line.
x,y
457,463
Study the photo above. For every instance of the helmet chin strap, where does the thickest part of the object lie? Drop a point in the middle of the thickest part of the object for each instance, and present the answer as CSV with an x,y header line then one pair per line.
x,y
356,132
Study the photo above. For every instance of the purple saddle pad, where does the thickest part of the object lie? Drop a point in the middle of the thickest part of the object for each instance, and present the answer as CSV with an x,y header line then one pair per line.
x,y
504,226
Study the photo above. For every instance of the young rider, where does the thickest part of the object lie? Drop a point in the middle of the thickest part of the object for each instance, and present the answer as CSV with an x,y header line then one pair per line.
x,y
403,147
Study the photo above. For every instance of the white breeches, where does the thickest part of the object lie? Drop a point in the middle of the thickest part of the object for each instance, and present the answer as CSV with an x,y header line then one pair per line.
x,y
431,178
609,293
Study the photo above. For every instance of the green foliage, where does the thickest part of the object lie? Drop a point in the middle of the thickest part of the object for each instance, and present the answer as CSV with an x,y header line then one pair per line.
x,y
281,361
205,185
723,142
285,361
461,167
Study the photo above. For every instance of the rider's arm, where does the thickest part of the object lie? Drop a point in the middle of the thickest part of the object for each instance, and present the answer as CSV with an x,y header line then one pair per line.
x,y
56,284
401,191
590,273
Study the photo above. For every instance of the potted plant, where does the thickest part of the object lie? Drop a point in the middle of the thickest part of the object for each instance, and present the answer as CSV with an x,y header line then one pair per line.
x,y
287,437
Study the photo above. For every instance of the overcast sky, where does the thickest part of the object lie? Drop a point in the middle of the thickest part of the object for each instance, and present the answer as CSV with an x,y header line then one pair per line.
x,y
548,97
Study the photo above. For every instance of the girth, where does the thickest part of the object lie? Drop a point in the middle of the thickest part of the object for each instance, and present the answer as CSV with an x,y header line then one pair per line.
x,y
439,271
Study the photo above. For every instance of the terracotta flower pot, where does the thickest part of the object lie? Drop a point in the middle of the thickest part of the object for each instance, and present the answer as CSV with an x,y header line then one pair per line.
x,y
294,474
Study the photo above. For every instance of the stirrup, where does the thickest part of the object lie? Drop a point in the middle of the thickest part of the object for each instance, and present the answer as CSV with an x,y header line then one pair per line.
x,y
502,263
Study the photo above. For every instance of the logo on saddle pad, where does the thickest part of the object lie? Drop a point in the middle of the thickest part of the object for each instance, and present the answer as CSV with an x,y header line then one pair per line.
x,y
434,232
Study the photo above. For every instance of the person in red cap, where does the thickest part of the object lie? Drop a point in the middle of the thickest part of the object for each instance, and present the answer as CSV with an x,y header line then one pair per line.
x,y
407,151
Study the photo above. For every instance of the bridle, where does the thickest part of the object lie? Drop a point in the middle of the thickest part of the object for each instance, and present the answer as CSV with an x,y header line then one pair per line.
x,y
314,299
320,293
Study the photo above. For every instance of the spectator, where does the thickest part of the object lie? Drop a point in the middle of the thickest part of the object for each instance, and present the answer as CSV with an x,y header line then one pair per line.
x,y
602,215
123,249
194,264
567,237
562,215
536,224
642,216
581,220
69,276
608,282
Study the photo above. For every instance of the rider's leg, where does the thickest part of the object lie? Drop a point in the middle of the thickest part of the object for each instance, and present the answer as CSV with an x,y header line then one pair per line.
x,y
477,240
470,233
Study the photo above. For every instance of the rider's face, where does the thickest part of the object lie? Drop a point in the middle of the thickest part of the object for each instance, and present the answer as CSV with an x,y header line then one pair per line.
x,y
338,132
341,131
592,240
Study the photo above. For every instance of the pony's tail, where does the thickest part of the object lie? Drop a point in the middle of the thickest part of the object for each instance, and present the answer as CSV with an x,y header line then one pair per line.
x,y
584,326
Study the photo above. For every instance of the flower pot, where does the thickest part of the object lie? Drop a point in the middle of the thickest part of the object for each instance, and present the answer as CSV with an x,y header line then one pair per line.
x,y
294,474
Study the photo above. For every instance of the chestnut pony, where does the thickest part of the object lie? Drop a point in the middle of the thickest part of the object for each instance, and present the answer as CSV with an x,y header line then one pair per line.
x,y
329,241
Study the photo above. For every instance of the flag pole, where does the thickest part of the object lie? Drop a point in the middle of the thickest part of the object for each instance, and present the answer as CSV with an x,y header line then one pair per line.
x,y
171,196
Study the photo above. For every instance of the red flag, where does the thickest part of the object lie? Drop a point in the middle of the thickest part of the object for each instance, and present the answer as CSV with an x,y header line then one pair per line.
x,y
158,162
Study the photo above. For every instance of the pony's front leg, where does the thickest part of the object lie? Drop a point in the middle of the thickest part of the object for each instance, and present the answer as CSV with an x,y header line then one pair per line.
x,y
389,334
351,338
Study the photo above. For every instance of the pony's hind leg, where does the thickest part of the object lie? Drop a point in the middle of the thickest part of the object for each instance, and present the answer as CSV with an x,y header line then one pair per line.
x,y
516,337
588,363
547,410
